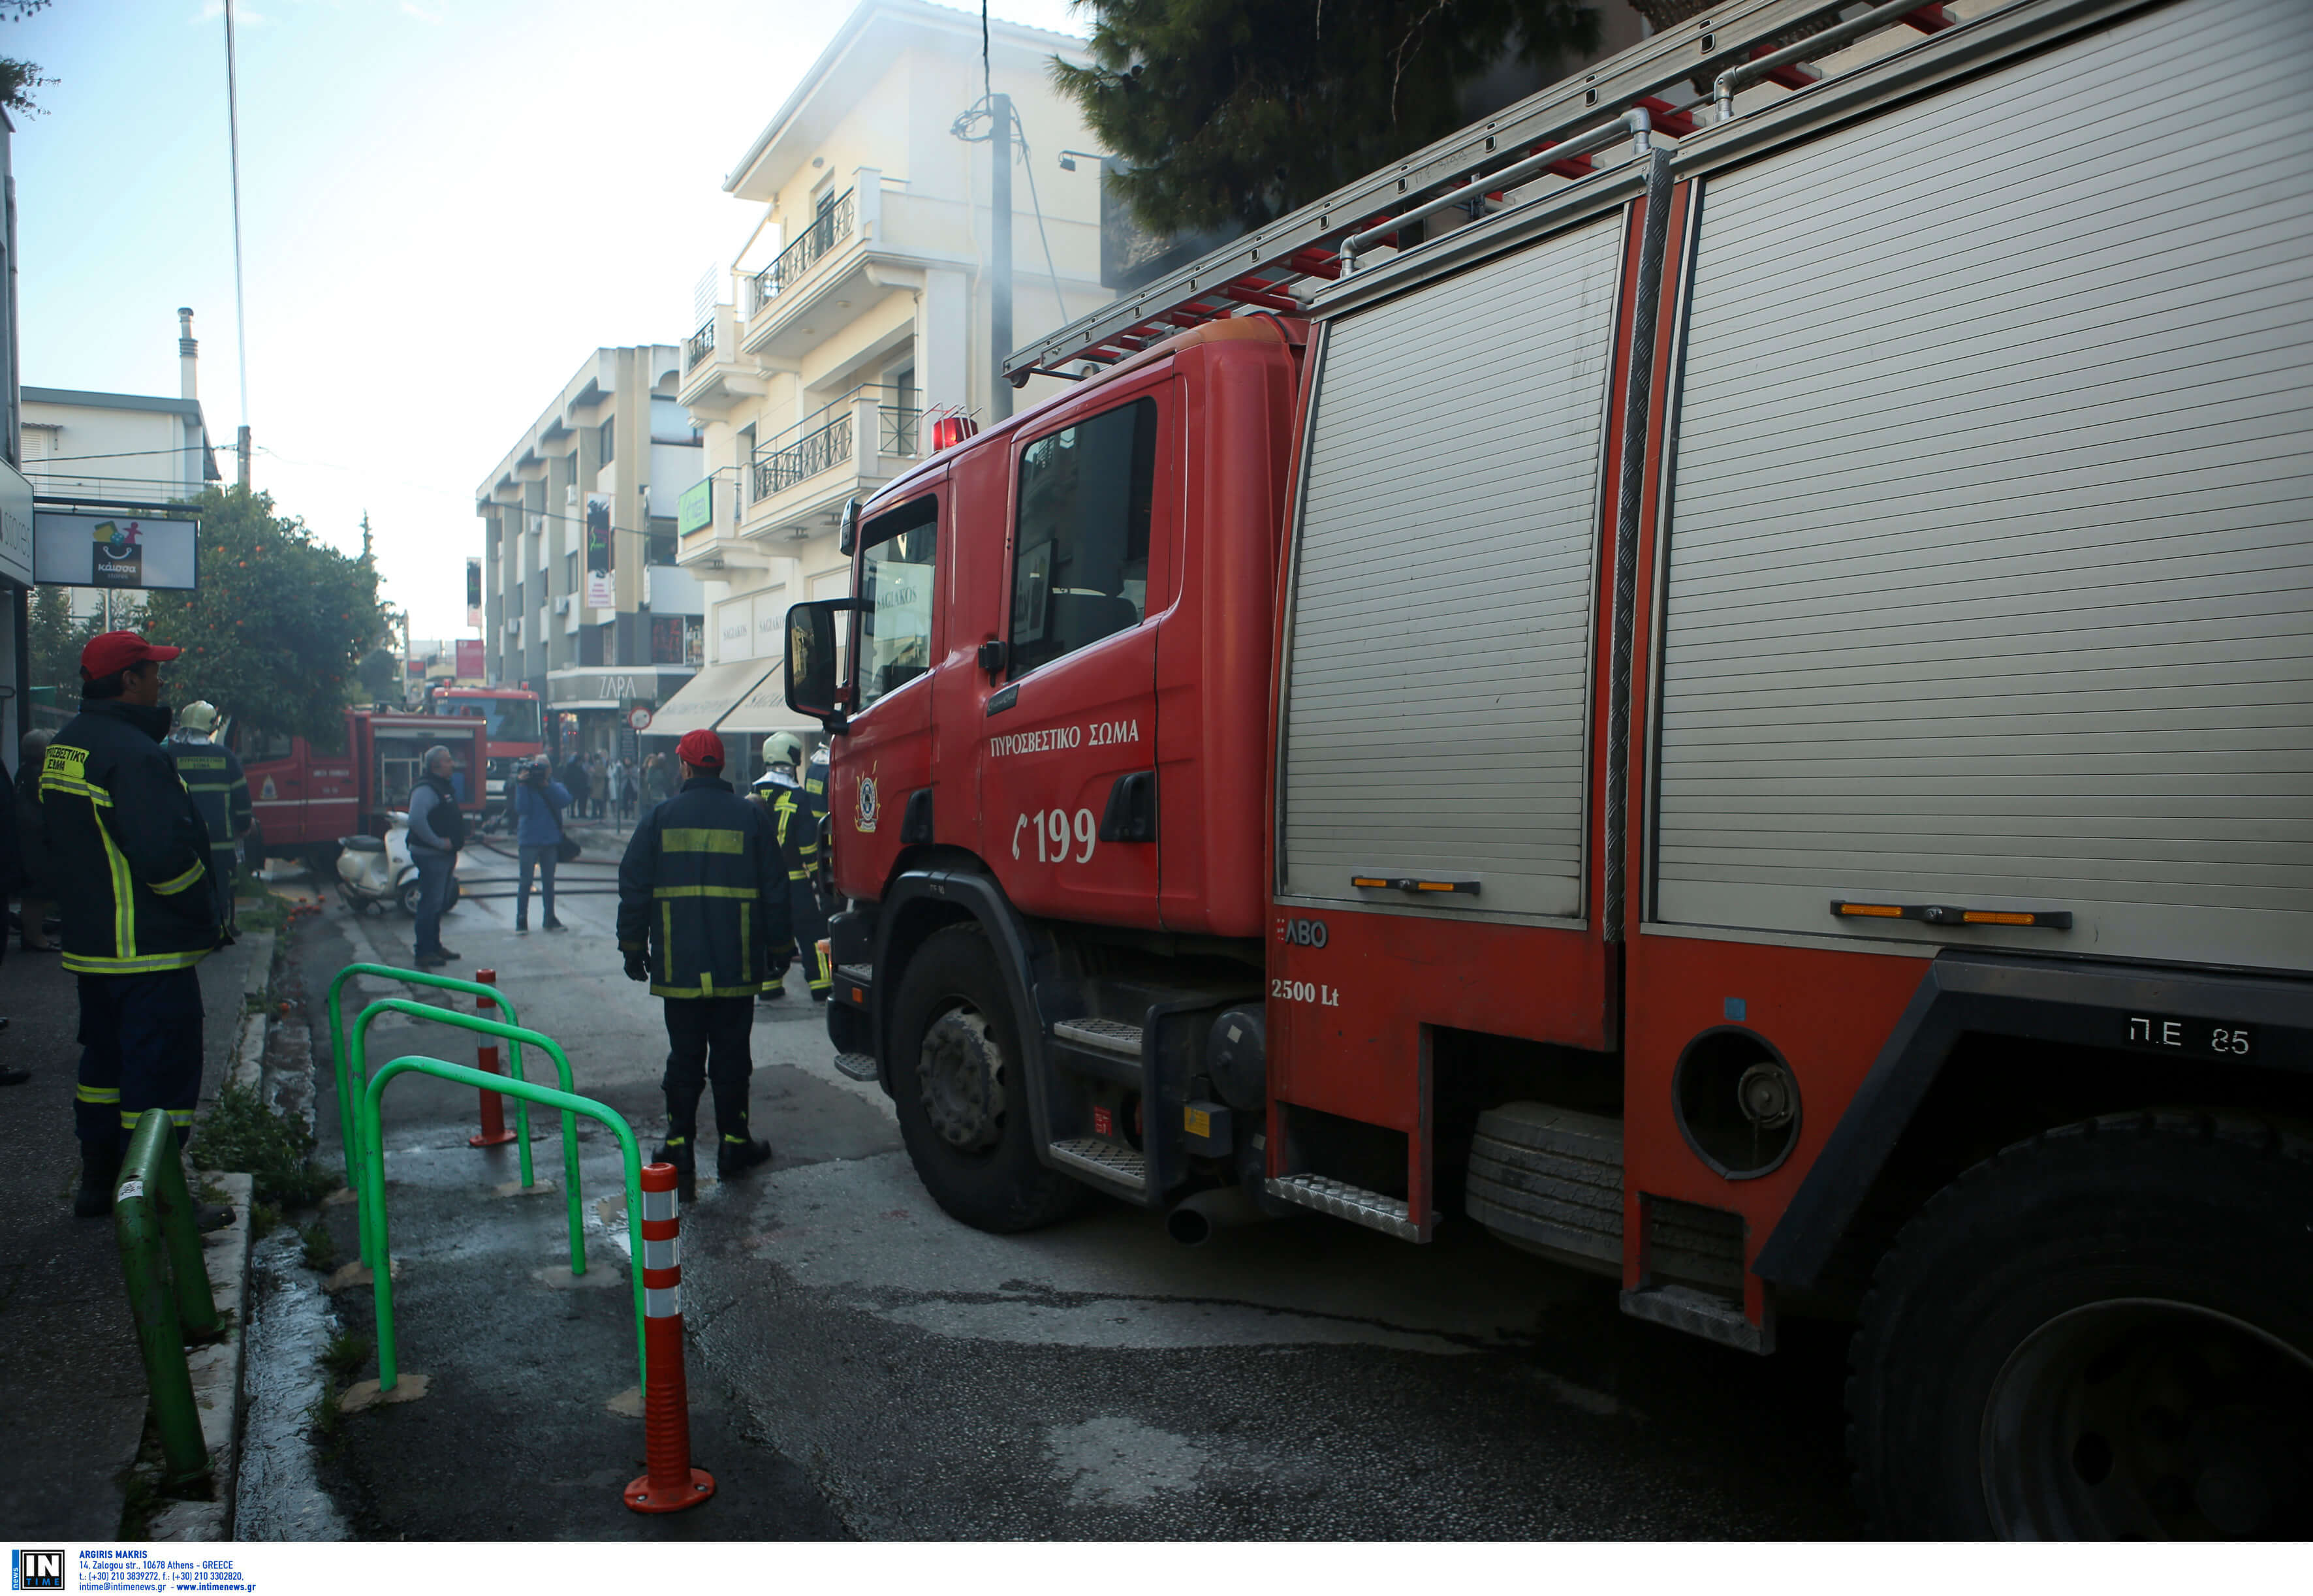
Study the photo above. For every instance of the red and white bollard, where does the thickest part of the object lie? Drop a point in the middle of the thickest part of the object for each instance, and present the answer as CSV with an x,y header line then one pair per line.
x,y
495,1133
671,1484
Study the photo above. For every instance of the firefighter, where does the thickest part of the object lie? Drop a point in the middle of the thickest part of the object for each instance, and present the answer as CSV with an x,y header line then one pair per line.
x,y
131,859
702,915
781,794
814,791
212,774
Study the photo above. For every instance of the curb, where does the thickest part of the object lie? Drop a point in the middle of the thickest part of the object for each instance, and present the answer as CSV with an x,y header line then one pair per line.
x,y
216,1369
218,1390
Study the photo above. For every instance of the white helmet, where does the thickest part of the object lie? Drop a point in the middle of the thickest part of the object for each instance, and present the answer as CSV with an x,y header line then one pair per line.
x,y
783,748
200,715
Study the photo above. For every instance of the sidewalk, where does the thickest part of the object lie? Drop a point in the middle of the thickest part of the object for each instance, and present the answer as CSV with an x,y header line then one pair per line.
x,y
72,1383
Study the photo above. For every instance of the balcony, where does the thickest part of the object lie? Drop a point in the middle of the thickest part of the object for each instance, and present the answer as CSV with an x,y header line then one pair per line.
x,y
870,240
717,547
835,223
713,378
848,448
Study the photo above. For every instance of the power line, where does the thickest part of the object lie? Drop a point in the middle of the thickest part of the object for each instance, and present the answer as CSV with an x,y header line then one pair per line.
x,y
1028,163
123,454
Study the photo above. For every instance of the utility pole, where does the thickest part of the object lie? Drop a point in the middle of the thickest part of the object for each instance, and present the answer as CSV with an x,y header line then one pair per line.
x,y
241,449
999,254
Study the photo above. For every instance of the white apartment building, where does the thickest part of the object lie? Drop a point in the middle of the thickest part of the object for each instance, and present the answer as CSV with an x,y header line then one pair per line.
x,y
858,309
594,482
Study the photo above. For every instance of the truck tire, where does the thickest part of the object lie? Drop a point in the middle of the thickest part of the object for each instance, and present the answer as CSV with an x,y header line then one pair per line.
x,y
2104,1332
959,1087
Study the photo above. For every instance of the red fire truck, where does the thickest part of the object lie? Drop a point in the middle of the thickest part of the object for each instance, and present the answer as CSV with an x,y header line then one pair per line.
x,y
306,799
516,731
1718,688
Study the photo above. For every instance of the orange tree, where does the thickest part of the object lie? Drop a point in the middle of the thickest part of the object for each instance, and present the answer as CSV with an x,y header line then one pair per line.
x,y
272,633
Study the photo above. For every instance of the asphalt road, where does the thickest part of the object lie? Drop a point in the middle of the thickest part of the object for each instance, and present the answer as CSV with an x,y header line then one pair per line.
x,y
860,1365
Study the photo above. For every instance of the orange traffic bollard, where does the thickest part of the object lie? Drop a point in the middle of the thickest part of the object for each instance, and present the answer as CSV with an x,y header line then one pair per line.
x,y
495,1133
671,1484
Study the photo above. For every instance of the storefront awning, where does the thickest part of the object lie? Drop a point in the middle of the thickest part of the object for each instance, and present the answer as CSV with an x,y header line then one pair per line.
x,y
764,708
707,697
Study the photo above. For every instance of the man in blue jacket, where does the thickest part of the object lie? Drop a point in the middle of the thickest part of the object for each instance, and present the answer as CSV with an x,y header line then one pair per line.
x,y
702,913
539,801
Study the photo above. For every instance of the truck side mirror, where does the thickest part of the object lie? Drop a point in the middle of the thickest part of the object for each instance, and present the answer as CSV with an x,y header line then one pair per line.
x,y
815,684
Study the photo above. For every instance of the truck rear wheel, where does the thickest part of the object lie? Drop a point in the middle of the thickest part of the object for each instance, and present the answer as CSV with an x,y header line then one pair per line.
x,y
2105,1332
960,1088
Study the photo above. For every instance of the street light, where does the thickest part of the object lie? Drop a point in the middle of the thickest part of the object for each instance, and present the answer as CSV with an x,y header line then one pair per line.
x,y
1069,158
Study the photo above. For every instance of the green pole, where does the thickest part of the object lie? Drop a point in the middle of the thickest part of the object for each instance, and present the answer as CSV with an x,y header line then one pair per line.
x,y
514,1035
373,1174
347,1097
152,1232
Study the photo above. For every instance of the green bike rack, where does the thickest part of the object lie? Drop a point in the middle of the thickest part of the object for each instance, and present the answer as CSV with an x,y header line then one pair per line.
x,y
349,1096
373,1175
160,1239
357,1061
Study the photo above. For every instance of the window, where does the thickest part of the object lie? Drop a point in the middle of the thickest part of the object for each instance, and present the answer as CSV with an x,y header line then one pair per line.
x,y
1080,565
668,639
610,441
570,572
659,545
895,592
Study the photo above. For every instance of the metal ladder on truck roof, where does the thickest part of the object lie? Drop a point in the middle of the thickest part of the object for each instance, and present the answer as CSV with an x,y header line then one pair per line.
x,y
1736,44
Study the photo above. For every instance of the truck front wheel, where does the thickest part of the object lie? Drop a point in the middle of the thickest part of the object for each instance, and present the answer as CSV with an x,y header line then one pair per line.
x,y
2105,1332
960,1090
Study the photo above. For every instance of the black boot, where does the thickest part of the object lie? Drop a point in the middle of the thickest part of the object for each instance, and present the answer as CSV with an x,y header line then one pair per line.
x,y
100,1172
735,1159
686,1167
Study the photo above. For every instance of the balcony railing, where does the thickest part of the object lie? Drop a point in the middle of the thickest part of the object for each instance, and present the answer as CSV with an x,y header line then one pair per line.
x,y
830,227
807,456
824,439
701,346
900,430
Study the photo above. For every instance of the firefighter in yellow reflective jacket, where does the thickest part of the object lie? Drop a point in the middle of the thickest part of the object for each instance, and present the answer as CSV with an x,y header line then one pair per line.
x,y
782,794
702,917
212,774
141,907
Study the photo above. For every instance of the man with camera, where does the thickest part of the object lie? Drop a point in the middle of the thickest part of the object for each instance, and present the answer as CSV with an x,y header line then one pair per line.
x,y
538,802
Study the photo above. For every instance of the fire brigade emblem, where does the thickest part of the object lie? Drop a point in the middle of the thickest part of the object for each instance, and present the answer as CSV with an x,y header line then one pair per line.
x,y
869,808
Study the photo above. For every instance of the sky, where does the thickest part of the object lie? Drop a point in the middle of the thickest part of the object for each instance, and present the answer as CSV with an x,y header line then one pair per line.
x,y
446,207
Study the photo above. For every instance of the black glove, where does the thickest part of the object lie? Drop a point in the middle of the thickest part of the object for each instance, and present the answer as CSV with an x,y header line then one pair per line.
x,y
637,967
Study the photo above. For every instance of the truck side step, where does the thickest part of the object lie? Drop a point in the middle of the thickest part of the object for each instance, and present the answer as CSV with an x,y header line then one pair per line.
x,y
1113,1037
1701,1314
1343,1201
858,1067
1103,1162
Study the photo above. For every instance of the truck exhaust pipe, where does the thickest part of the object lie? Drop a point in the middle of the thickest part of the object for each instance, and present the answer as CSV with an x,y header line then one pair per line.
x,y
1193,1220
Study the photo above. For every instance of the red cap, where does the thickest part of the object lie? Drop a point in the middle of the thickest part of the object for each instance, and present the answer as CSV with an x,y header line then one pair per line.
x,y
702,750
111,652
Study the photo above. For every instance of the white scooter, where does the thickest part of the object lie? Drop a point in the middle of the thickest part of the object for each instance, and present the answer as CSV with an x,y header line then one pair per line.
x,y
374,872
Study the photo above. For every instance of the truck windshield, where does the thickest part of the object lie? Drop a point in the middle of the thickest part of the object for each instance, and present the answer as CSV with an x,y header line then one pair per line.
x,y
895,595
509,720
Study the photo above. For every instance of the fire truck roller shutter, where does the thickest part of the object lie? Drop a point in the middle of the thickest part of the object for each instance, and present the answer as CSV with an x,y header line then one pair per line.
x,y
1441,633
1989,580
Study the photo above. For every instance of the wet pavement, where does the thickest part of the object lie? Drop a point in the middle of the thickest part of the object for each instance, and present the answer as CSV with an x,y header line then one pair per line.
x,y
860,1365
72,1381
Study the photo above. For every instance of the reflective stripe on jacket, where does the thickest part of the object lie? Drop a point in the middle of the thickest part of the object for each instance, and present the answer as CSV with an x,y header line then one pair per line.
x,y
220,791
128,850
703,890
